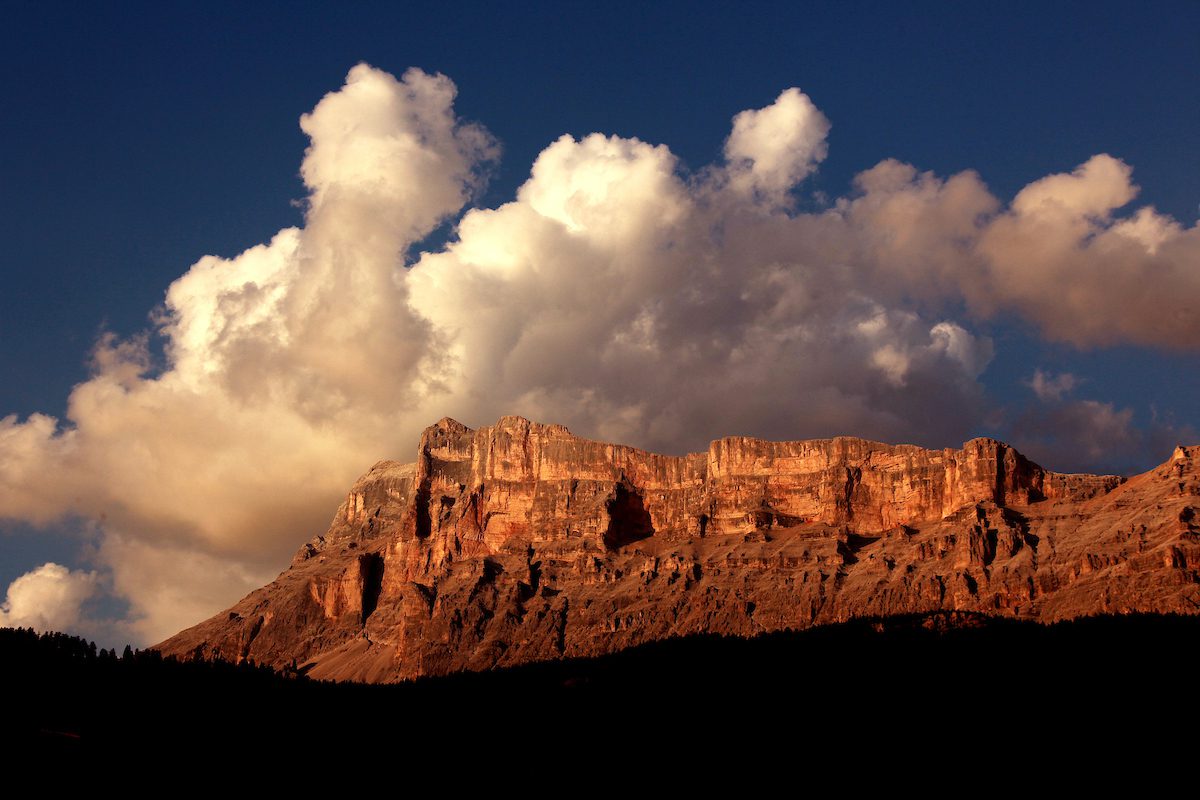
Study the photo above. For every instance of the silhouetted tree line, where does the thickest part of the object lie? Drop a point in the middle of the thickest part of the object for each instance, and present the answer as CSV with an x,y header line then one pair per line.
x,y
51,650
911,678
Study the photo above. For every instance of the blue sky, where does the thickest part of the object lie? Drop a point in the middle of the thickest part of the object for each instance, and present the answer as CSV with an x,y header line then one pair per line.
x,y
138,138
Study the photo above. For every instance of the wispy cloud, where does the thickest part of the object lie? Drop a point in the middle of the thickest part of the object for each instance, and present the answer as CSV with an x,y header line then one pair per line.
x,y
1050,387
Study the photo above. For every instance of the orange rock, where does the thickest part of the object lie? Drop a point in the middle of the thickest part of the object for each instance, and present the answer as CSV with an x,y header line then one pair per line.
x,y
519,542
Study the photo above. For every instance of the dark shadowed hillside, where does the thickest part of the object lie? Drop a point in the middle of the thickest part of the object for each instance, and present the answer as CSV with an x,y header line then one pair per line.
x,y
939,681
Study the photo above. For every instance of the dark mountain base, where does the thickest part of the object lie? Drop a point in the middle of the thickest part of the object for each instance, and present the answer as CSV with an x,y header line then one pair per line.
x,y
941,683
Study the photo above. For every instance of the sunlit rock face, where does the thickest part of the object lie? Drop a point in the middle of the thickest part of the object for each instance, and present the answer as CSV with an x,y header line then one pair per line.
x,y
520,542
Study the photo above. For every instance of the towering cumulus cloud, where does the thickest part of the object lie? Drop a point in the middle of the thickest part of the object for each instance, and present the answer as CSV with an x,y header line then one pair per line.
x,y
48,598
614,293
772,149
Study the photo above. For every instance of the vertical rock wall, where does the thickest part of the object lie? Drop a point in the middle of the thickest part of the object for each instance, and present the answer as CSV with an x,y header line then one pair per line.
x,y
519,541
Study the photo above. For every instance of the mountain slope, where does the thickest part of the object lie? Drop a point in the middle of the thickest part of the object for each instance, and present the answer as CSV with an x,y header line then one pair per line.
x,y
520,542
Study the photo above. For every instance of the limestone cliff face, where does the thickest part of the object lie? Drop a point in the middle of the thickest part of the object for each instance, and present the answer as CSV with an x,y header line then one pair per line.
x,y
519,542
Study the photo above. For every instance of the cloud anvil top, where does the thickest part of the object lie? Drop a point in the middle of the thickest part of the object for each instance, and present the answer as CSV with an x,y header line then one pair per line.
x,y
616,291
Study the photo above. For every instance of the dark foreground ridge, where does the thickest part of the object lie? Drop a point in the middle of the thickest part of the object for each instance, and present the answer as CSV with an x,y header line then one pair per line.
x,y
926,678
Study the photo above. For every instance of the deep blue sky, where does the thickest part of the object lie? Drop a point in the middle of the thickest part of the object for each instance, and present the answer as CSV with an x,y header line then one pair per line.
x,y
137,137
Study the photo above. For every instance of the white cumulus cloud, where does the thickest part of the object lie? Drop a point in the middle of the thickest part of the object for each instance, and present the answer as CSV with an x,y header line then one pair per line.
x,y
614,293
772,149
49,598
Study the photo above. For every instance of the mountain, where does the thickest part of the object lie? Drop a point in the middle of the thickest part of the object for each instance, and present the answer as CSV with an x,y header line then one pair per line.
x,y
520,542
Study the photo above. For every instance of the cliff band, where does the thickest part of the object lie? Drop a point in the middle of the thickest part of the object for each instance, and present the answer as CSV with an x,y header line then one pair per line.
x,y
520,542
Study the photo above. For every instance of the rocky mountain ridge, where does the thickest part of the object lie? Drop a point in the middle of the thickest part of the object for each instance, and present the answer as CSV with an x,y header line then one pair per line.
x,y
520,542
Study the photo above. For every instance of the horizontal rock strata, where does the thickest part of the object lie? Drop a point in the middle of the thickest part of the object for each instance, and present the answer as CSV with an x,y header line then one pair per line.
x,y
520,542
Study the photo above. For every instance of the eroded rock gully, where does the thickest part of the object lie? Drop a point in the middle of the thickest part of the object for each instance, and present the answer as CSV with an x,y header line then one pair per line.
x,y
520,541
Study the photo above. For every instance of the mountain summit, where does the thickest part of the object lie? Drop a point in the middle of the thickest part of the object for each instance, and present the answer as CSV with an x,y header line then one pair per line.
x,y
521,542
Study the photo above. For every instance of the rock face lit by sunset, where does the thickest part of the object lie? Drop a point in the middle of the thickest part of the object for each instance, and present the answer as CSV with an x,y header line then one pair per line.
x,y
619,290
519,542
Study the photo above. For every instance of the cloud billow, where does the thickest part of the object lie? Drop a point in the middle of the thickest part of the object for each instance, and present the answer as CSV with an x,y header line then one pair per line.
x,y
50,597
615,294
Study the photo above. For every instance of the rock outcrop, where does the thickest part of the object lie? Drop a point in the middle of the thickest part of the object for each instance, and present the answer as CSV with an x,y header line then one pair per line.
x,y
521,542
